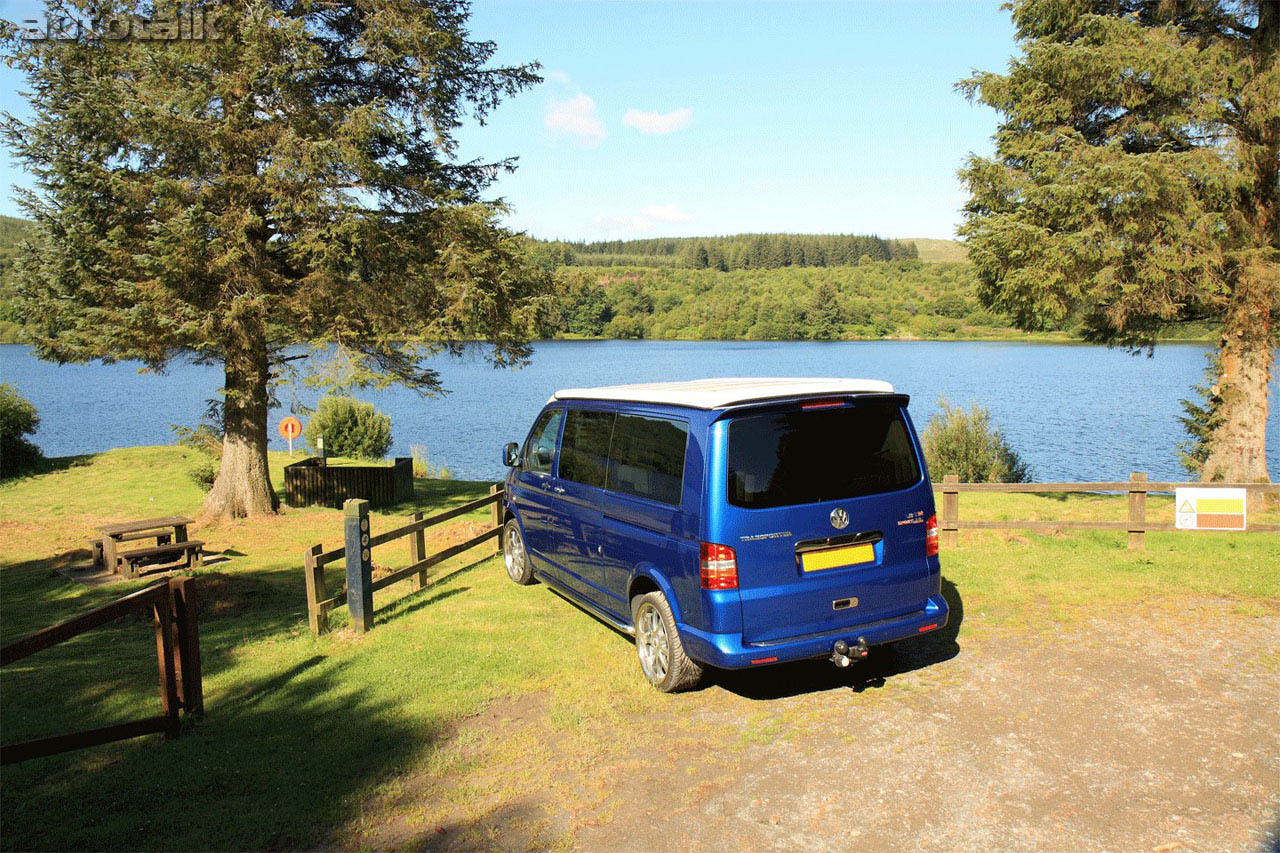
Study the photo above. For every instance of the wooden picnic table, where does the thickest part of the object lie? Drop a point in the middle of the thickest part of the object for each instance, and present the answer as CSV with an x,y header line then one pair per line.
x,y
164,530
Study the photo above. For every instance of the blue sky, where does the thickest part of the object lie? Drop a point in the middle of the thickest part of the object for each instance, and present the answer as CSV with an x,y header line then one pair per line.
x,y
715,118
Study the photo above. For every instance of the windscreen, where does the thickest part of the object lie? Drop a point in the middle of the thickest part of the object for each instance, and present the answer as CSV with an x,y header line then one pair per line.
x,y
800,457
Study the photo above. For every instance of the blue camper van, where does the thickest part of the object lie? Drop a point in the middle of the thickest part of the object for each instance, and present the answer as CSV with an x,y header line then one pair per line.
x,y
730,522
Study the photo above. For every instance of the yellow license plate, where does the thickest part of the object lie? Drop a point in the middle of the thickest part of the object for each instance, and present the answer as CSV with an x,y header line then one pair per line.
x,y
850,555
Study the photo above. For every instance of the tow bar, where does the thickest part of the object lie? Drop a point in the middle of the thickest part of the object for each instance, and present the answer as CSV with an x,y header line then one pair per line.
x,y
844,654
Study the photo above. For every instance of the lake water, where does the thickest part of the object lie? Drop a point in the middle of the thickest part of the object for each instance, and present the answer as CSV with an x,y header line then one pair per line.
x,y
1073,412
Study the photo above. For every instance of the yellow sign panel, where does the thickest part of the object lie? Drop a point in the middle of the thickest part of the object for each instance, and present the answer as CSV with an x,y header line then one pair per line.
x,y
852,555
1235,505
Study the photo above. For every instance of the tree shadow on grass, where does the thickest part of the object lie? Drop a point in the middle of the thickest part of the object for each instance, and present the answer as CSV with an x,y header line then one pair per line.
x,y
277,763
883,663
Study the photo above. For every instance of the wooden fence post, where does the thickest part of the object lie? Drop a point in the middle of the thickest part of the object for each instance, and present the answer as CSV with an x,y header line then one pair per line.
x,y
950,510
182,597
164,652
417,553
1137,509
355,512
317,614
495,512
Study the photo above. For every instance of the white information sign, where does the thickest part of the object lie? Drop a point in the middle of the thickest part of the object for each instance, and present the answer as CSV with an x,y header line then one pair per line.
x,y
1202,508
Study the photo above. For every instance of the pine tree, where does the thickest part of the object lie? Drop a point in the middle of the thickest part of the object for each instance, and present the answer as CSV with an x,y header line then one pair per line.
x,y
294,182
1134,186
823,318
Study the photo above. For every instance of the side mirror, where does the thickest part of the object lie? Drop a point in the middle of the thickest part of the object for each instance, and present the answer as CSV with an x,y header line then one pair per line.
x,y
511,454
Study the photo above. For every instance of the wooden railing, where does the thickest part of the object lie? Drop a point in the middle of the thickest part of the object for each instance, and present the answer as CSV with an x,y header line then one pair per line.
x,y
357,552
173,605
1137,487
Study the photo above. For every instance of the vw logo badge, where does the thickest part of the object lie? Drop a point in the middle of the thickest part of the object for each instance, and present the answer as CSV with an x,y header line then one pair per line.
x,y
839,519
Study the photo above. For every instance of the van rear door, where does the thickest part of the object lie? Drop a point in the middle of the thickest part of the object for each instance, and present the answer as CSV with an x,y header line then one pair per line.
x,y
824,503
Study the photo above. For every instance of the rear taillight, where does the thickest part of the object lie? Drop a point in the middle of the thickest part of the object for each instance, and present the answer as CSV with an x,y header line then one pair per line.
x,y
717,566
931,536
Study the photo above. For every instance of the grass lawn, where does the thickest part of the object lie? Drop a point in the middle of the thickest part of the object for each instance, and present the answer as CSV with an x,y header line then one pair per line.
x,y
303,734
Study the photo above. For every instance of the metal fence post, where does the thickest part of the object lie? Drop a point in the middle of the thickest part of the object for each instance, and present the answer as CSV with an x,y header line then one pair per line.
x,y
950,510
355,512
1137,510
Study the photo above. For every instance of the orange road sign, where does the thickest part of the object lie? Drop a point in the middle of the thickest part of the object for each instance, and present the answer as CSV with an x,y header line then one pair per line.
x,y
290,428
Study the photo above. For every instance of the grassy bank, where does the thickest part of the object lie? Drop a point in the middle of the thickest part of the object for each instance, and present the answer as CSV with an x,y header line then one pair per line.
x,y
304,737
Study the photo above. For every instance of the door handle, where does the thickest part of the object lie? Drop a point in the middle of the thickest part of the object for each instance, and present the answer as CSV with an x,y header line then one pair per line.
x,y
558,490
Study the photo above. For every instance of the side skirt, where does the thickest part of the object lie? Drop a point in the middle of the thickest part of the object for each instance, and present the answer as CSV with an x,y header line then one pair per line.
x,y
585,606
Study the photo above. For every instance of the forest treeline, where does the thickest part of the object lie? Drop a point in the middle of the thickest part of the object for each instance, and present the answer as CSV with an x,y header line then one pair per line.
x,y
870,299
12,231
733,252
865,288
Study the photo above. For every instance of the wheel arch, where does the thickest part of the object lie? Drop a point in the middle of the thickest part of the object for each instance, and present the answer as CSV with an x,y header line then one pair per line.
x,y
646,578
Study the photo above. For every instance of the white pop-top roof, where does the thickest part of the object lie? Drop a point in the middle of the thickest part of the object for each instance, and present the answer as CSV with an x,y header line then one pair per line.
x,y
718,393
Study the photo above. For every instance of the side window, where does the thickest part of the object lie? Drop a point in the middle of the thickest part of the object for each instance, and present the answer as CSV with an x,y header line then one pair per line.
x,y
540,449
584,452
646,458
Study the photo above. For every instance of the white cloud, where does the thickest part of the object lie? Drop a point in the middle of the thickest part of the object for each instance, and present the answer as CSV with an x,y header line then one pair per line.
x,y
575,119
658,123
646,219
554,76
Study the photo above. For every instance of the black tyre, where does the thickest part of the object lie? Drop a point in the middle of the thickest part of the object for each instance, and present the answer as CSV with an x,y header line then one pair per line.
x,y
515,555
662,657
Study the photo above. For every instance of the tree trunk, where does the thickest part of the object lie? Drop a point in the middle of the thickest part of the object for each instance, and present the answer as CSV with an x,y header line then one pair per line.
x,y
243,485
1238,446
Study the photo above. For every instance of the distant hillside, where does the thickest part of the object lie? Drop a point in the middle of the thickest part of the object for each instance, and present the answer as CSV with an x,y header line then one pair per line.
x,y
939,251
12,232
731,252
867,300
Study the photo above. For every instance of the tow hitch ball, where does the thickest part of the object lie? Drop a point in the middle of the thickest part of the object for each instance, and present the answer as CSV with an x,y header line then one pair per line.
x,y
844,654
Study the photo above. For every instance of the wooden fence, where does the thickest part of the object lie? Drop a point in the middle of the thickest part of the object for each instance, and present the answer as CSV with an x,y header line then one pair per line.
x,y
1137,487
173,604
357,550
312,482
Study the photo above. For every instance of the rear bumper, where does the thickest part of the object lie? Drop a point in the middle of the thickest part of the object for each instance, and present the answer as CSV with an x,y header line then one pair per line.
x,y
727,651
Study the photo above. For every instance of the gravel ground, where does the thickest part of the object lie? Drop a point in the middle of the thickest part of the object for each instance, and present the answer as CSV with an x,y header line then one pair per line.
x,y
1137,731
1124,734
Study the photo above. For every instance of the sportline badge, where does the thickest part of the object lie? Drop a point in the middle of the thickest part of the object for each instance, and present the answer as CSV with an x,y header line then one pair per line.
x,y
1209,509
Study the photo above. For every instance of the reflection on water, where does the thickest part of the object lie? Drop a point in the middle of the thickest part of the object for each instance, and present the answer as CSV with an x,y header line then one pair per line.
x,y
1073,412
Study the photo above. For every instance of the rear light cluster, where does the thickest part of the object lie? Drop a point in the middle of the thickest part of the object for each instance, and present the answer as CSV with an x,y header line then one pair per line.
x,y
717,566
931,536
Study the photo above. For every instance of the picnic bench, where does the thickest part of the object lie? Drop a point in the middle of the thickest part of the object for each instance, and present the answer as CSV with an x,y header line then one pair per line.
x,y
172,545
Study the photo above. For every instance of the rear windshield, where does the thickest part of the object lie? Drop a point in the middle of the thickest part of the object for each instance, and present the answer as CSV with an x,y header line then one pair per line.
x,y
786,458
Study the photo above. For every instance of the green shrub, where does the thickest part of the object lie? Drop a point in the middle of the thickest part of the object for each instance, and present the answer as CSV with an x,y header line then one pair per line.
x,y
18,419
966,444
349,428
204,472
